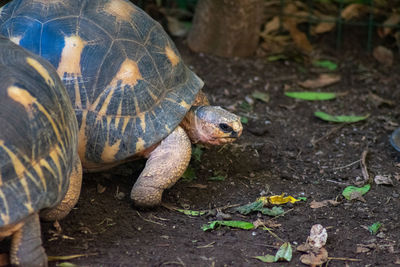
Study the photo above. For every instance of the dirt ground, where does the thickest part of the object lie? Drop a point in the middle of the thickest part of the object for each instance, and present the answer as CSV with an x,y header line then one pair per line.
x,y
283,149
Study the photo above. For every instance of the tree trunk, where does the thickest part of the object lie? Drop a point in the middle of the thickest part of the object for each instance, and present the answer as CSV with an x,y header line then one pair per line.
x,y
226,28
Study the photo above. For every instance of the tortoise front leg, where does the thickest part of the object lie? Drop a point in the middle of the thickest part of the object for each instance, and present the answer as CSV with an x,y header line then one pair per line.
x,y
166,164
26,244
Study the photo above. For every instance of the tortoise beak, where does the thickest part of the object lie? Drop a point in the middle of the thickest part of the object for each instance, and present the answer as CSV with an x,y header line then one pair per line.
x,y
234,134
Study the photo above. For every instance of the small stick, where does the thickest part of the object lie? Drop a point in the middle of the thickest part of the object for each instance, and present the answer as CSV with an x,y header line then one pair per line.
x,y
364,169
345,166
210,245
148,220
331,131
343,259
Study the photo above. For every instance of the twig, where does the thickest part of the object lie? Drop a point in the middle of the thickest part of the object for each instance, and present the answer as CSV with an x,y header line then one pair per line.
x,y
69,257
346,166
330,132
273,234
171,207
279,215
210,245
179,262
148,220
342,259
364,169
336,182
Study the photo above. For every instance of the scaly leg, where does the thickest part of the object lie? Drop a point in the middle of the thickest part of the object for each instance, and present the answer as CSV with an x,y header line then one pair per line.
x,y
26,244
166,164
71,197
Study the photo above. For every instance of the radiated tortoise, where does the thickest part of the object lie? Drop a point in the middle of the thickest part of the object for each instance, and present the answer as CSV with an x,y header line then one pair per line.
x,y
133,95
39,164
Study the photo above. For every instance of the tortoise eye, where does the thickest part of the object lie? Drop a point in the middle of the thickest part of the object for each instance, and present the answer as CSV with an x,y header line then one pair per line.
x,y
225,128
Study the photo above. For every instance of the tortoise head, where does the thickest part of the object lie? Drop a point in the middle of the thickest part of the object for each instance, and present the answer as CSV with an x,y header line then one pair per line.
x,y
216,126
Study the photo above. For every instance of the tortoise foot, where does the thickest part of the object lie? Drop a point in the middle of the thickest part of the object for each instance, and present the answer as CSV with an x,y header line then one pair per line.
x,y
166,164
146,196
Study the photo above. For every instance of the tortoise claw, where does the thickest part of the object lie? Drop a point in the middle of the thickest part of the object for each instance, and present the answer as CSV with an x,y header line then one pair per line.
x,y
395,139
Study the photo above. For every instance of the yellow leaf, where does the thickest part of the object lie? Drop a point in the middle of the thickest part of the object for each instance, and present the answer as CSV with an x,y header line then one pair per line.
x,y
278,199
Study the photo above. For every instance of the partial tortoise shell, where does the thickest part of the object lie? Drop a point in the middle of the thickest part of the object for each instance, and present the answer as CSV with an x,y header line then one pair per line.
x,y
38,136
124,75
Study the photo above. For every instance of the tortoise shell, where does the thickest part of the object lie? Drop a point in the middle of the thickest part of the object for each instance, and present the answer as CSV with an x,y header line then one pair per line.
x,y
38,137
124,75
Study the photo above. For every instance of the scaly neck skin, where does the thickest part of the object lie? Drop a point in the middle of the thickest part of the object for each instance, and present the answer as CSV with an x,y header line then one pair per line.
x,y
189,125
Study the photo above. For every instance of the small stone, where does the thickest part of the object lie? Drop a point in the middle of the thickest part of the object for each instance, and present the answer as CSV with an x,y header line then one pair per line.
x,y
120,195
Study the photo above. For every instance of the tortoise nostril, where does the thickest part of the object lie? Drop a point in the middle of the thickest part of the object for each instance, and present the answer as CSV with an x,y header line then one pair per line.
x,y
225,127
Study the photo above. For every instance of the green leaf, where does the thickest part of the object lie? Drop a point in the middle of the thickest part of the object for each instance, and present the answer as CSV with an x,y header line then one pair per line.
x,y
327,64
217,178
258,206
284,252
192,212
275,211
197,152
349,191
245,106
189,174
315,96
276,57
345,119
302,198
248,208
374,228
235,224
266,258
244,120
260,96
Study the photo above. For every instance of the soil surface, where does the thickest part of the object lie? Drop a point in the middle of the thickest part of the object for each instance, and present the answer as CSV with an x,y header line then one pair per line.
x,y
284,149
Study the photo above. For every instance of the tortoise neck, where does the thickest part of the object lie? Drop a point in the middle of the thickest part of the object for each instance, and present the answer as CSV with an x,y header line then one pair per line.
x,y
189,125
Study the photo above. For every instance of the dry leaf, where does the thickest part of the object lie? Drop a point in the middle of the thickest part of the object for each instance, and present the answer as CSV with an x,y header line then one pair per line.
x,y
383,55
377,100
318,236
176,27
323,27
383,179
275,44
357,196
362,249
354,11
101,188
322,81
304,247
319,204
315,259
393,19
299,37
272,25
